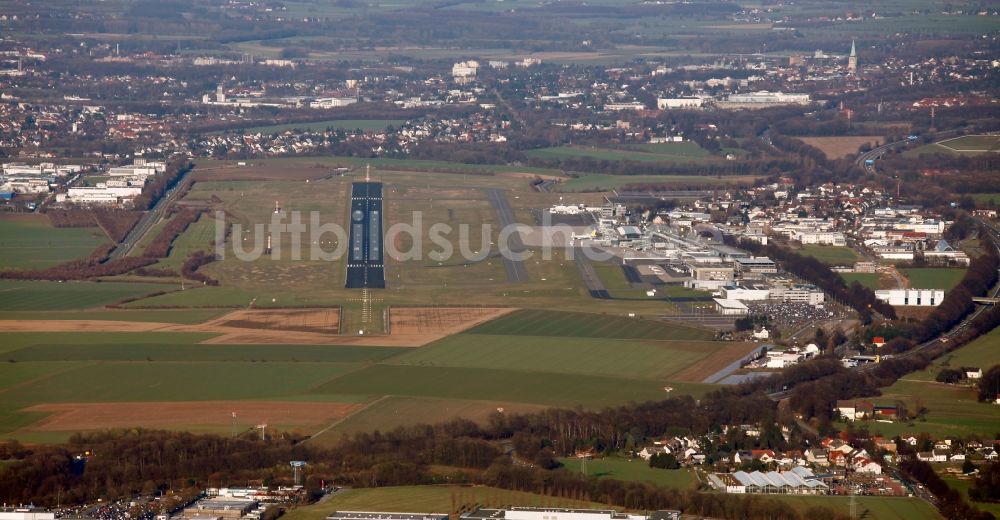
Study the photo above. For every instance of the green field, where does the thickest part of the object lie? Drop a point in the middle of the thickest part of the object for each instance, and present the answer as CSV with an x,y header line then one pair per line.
x,y
952,410
642,359
177,381
390,412
36,244
603,182
972,143
880,508
179,316
983,353
500,385
633,470
26,295
934,278
991,199
426,499
583,325
687,152
869,280
962,485
140,349
832,255
336,124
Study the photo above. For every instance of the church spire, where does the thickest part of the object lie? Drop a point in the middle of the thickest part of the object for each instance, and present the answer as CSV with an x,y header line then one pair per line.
x,y
852,60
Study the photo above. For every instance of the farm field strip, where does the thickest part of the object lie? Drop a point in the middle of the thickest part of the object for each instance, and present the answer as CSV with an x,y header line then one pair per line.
x,y
30,242
484,384
29,295
392,411
644,359
576,324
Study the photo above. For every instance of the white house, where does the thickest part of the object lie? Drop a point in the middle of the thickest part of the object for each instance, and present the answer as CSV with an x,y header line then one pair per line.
x,y
648,452
867,466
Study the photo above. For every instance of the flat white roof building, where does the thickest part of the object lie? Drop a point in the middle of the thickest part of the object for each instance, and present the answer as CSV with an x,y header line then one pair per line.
x,y
911,297
730,307
25,513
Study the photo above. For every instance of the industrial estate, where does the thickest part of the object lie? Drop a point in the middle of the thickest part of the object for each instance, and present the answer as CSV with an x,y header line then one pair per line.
x,y
499,260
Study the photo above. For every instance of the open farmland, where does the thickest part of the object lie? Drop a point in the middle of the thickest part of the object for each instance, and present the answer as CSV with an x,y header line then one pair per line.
x,y
578,324
389,412
838,147
952,410
500,385
28,295
983,352
30,241
439,320
641,359
604,182
192,415
972,143
686,152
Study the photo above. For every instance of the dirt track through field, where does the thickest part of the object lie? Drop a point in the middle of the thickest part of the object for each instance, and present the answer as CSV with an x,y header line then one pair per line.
x,y
90,416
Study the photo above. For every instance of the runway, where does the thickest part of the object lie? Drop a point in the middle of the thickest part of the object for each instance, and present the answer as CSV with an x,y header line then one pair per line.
x,y
365,267
516,272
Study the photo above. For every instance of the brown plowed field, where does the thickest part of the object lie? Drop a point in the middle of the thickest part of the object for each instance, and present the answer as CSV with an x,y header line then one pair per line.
x,y
323,321
837,147
440,320
91,416
708,366
410,326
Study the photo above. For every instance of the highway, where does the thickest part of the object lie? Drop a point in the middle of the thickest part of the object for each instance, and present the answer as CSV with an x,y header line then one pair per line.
x,y
148,220
516,272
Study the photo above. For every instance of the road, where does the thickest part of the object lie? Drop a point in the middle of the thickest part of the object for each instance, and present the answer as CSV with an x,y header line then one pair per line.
x,y
148,220
516,272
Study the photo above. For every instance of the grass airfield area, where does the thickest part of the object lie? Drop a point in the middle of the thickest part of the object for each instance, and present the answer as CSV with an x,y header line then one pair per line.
x,y
157,353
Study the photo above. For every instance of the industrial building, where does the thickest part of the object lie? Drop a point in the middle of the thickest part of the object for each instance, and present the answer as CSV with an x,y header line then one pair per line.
x,y
911,297
26,513
224,508
540,513
764,99
682,102
368,515
730,307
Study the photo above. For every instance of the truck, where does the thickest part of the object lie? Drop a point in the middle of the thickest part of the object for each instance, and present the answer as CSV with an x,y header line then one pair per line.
x,y
869,162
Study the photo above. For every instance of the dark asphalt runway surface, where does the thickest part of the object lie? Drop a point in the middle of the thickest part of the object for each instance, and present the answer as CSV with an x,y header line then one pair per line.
x,y
365,267
516,272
